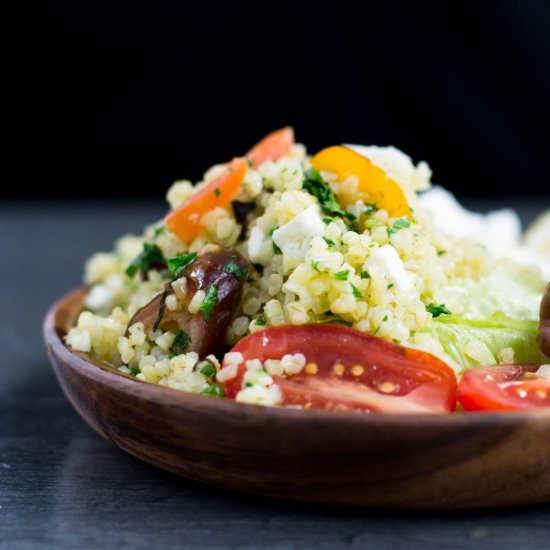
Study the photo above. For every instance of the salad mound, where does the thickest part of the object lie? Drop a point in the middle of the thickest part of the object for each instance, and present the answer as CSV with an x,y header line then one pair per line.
x,y
296,280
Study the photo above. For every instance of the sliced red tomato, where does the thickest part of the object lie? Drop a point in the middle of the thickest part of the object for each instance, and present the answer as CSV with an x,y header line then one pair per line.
x,y
350,370
184,222
272,147
503,388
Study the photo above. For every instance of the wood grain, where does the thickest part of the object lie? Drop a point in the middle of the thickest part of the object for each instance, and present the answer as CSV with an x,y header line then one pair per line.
x,y
413,462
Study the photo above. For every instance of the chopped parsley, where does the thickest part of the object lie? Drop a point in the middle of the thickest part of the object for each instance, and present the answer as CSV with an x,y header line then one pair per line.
x,y
208,369
260,321
272,230
437,309
181,343
150,257
217,192
134,371
356,292
210,301
178,263
276,249
315,185
159,230
215,391
315,266
385,318
441,252
365,275
342,275
390,286
401,223
333,320
371,209
234,268
328,241
326,221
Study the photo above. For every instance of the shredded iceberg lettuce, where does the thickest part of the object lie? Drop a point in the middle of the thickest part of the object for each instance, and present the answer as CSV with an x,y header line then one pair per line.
x,y
496,313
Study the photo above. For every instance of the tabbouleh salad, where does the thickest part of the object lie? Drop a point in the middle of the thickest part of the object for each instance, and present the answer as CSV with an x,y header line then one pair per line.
x,y
339,281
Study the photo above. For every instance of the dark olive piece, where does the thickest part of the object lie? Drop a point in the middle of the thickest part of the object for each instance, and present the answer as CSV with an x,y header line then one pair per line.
x,y
206,332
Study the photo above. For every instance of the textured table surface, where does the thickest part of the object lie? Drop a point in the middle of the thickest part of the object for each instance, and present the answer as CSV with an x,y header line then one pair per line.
x,y
62,486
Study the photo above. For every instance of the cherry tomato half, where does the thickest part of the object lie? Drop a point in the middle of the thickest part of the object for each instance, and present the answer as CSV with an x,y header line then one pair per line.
x,y
350,370
503,388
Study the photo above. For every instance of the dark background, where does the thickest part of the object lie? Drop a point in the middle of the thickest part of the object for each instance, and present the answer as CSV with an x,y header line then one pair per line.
x,y
114,99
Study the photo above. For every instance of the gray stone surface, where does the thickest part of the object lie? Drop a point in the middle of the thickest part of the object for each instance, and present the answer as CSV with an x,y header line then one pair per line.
x,y
62,486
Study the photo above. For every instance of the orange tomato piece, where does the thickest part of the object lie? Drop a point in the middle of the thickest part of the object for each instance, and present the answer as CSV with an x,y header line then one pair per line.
x,y
382,190
271,147
184,222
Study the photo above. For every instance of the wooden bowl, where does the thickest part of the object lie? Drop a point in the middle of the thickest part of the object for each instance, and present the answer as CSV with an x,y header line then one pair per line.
x,y
392,461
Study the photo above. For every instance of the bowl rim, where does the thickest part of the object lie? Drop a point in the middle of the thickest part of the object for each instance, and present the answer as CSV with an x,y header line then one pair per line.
x,y
105,374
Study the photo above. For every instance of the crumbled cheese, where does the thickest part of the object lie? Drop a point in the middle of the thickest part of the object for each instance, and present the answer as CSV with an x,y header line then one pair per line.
x,y
294,236
387,261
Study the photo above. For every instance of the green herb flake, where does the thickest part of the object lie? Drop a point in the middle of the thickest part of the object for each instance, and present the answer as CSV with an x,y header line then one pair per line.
x,y
353,226
329,242
356,292
437,309
342,275
208,369
210,301
134,371
390,286
235,269
441,252
181,343
272,230
385,318
315,266
260,321
150,257
371,209
178,263
276,249
159,230
214,391
401,223
326,221
315,185
365,275
333,320
217,192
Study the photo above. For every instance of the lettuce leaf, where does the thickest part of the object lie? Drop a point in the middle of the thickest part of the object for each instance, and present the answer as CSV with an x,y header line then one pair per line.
x,y
479,342
499,311
513,290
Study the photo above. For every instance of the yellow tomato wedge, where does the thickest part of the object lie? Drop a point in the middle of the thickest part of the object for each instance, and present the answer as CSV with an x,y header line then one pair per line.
x,y
382,190
184,222
271,147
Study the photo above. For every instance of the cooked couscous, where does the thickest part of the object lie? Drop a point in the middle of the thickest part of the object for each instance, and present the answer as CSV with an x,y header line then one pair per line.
x,y
306,244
